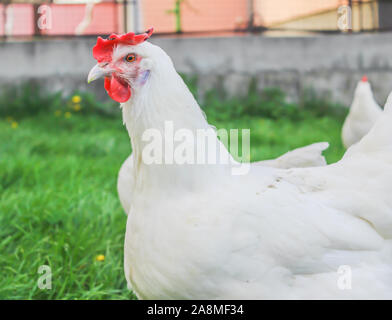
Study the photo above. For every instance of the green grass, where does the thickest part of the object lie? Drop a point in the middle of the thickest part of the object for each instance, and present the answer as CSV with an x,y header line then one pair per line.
x,y
58,206
58,199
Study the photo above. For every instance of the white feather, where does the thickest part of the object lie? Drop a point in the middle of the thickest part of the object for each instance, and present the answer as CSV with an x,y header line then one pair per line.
x,y
308,156
364,112
198,232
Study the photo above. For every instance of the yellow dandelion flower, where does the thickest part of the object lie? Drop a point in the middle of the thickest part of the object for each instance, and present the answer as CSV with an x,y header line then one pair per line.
x,y
77,107
9,119
14,124
57,113
76,99
67,114
100,257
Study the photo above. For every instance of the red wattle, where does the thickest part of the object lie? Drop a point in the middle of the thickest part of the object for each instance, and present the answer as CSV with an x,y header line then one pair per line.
x,y
117,89
364,79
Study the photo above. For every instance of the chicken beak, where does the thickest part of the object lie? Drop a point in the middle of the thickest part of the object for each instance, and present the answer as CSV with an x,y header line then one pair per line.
x,y
95,73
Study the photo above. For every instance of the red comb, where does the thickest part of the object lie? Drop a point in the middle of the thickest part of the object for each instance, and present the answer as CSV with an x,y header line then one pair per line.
x,y
364,79
102,51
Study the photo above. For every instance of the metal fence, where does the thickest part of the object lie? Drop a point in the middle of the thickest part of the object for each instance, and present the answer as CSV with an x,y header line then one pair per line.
x,y
29,18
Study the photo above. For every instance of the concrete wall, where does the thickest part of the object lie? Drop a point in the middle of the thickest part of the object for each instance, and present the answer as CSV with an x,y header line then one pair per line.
x,y
329,64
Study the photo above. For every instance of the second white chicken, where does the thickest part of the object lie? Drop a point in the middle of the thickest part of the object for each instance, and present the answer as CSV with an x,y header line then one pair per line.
x,y
364,112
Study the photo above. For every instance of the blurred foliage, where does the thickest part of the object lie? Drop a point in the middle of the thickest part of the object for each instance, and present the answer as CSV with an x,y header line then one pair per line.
x,y
29,99
270,103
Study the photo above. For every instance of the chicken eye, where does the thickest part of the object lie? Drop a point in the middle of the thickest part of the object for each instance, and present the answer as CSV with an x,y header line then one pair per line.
x,y
130,57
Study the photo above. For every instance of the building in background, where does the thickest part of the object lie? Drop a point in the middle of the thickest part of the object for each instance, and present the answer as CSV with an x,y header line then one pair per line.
x,y
88,17
318,15
64,17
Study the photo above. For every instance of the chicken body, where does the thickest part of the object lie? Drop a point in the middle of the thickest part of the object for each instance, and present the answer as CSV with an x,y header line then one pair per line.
x,y
308,156
196,231
363,114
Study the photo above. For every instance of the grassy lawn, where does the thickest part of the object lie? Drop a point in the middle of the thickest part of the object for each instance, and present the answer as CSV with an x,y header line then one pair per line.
x,y
59,204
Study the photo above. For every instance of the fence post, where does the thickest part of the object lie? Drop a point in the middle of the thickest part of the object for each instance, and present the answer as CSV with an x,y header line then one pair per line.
x,y
250,15
125,8
5,5
350,4
37,31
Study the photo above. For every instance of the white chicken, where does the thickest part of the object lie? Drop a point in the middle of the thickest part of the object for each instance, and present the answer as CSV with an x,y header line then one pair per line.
x,y
363,114
308,156
195,231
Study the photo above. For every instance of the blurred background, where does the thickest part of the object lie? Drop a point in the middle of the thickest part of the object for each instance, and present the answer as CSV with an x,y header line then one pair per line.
x,y
90,17
286,69
294,45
